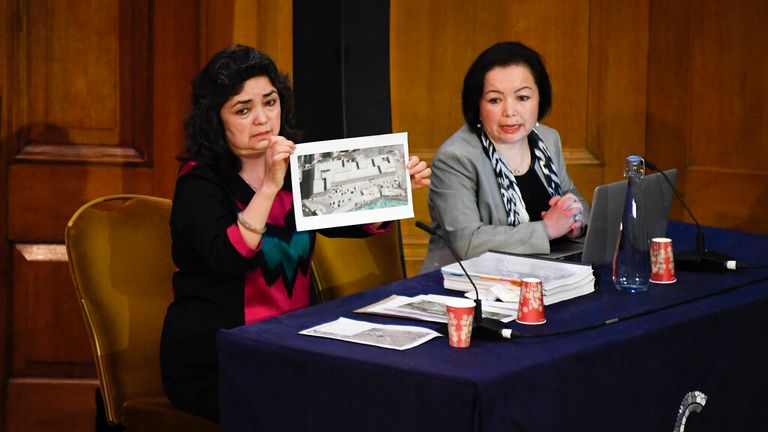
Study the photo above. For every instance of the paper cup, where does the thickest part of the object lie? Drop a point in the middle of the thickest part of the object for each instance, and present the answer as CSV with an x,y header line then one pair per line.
x,y
662,261
530,310
460,313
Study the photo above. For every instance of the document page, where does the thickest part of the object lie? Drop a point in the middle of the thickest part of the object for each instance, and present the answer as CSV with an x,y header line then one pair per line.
x,y
385,336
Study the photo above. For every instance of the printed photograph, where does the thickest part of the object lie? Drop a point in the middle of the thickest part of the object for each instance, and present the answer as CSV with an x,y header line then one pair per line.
x,y
352,181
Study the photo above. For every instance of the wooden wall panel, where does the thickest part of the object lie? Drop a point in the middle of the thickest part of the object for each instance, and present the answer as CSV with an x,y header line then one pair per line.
x,y
729,86
617,84
101,113
49,338
43,197
595,52
266,25
707,93
6,31
48,405
83,81
73,93
175,48
87,110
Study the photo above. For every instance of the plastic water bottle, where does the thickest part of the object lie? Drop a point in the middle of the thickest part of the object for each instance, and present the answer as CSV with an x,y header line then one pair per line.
x,y
632,261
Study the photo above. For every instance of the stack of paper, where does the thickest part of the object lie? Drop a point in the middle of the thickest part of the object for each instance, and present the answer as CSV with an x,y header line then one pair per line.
x,y
431,307
498,275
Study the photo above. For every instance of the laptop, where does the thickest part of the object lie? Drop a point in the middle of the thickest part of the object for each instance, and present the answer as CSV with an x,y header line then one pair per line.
x,y
598,246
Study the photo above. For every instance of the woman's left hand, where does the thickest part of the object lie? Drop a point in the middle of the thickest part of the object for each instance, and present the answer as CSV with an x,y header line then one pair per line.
x,y
419,172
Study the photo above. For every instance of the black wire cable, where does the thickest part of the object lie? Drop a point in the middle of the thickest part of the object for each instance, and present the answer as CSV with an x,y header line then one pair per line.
x,y
517,335
750,266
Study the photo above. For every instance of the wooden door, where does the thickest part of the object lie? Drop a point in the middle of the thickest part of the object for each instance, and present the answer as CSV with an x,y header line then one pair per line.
x,y
93,97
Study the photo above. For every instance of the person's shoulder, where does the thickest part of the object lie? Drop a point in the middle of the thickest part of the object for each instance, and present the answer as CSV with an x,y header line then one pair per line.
x,y
463,141
192,170
193,175
548,134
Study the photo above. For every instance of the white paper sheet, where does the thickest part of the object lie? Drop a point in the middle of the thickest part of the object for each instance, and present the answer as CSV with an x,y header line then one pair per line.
x,y
384,336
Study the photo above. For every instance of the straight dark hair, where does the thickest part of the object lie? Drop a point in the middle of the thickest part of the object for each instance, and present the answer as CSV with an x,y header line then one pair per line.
x,y
500,55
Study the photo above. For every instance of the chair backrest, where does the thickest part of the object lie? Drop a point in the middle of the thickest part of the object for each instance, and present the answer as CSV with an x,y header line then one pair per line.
x,y
344,266
119,250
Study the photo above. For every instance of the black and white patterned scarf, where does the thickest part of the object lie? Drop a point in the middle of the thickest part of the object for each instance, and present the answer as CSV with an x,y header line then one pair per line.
x,y
510,193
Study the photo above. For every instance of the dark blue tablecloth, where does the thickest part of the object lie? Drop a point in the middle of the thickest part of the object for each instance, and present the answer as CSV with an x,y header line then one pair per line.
x,y
630,376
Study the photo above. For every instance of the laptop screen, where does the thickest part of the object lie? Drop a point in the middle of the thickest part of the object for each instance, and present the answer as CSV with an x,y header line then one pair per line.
x,y
599,244
606,212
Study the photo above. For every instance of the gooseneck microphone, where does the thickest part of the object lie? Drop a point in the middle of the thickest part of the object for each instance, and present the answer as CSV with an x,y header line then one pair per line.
x,y
700,258
494,326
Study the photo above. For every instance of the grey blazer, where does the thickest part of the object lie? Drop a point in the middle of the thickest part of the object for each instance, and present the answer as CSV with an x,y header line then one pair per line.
x,y
466,206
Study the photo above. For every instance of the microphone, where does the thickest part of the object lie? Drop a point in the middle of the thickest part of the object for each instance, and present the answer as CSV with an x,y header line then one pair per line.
x,y
700,258
494,326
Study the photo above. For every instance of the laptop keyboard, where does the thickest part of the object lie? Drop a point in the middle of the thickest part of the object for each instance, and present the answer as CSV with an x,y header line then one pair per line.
x,y
574,257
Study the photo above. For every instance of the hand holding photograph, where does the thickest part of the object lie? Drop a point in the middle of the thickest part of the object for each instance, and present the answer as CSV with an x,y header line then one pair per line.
x,y
351,181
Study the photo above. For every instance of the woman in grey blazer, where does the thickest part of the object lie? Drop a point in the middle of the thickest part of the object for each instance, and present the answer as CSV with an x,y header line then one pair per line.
x,y
500,182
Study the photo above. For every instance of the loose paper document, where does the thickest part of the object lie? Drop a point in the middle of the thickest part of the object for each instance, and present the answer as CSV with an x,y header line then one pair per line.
x,y
431,307
351,181
385,336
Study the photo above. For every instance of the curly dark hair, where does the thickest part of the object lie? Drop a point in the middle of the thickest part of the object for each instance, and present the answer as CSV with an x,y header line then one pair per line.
x,y
223,77
500,55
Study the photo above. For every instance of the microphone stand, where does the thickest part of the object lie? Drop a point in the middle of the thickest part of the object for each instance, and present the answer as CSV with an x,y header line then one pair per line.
x,y
484,325
700,258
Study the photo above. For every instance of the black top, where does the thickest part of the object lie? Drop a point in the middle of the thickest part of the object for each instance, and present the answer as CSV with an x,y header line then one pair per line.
x,y
534,193
221,283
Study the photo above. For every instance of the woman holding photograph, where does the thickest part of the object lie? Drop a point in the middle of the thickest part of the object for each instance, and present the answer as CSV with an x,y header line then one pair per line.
x,y
239,257
500,181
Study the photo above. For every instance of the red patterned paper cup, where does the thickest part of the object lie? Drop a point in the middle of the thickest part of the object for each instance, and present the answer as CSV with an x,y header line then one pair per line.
x,y
662,261
530,310
460,313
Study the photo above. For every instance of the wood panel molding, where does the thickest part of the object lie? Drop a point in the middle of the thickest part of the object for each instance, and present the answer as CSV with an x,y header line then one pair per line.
x,y
79,153
580,156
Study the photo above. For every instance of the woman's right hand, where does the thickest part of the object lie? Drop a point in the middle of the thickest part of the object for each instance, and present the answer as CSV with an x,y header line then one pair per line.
x,y
559,219
276,160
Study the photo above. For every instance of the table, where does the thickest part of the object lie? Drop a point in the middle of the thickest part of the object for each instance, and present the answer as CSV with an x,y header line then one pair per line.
x,y
630,376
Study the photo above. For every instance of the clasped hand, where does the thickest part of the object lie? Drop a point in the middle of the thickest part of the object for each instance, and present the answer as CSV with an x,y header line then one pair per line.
x,y
564,216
